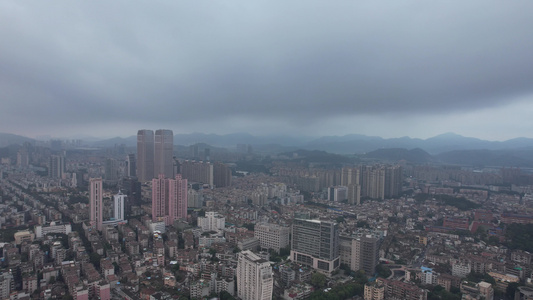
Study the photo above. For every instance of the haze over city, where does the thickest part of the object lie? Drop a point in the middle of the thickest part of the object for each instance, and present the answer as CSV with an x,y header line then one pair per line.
x,y
266,150
313,68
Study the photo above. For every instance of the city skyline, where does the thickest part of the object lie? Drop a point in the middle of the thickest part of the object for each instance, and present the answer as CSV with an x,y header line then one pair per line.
x,y
387,69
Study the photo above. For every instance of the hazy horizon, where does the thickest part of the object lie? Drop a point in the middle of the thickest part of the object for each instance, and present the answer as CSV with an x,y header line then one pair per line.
x,y
273,135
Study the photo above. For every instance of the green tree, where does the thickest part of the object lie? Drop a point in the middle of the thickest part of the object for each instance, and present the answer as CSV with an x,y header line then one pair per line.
x,y
249,226
511,289
318,280
285,251
363,224
383,271
224,295
95,259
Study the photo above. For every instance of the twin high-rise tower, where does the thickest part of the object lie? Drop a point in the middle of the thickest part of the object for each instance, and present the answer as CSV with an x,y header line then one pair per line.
x,y
154,154
164,146
155,163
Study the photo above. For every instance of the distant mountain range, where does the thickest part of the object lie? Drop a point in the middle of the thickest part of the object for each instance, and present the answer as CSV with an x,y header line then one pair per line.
x,y
474,158
448,147
442,143
7,139
347,144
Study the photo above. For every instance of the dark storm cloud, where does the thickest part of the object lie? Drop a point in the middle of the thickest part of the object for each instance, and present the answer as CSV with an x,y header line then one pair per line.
x,y
176,62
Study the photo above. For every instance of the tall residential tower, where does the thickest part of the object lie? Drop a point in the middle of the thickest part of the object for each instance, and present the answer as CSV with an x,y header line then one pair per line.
x,y
254,277
119,206
95,203
169,199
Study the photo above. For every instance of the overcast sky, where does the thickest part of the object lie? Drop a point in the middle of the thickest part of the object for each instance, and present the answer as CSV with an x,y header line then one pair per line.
x,y
387,68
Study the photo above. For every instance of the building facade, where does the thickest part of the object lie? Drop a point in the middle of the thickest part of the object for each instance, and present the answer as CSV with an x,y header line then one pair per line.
x,y
197,171
56,166
272,236
212,221
169,199
118,206
254,277
145,155
131,165
360,252
163,153
95,202
315,243
221,175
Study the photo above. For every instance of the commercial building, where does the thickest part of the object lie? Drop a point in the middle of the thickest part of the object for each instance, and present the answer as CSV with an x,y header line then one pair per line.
x,y
315,243
111,169
163,150
254,277
145,155
272,236
53,227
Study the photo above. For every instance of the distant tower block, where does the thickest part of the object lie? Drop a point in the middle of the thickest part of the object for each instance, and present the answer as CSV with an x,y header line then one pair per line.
x,y
95,202
119,206
145,155
164,146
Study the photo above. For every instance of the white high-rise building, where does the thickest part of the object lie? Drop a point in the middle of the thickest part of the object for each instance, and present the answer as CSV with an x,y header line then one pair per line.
x,y
212,221
118,200
6,284
272,236
254,277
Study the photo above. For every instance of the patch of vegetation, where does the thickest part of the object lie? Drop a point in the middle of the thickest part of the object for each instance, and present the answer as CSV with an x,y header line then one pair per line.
x,y
8,235
312,203
460,202
344,291
439,292
383,271
252,167
519,236
249,226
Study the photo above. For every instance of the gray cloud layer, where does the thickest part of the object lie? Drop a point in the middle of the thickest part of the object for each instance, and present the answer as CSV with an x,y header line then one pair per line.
x,y
178,62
